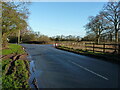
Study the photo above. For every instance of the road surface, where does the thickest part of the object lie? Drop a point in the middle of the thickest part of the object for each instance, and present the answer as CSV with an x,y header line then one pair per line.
x,y
55,68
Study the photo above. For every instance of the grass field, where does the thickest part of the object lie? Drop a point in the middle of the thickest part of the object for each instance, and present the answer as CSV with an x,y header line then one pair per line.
x,y
15,73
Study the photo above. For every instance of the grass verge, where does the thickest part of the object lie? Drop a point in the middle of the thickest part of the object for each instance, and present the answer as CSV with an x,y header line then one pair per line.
x,y
103,56
15,73
12,49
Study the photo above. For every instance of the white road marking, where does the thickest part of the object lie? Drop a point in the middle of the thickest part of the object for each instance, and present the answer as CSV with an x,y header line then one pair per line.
x,y
90,71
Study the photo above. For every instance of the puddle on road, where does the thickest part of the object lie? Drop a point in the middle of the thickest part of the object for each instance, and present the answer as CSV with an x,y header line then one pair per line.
x,y
32,79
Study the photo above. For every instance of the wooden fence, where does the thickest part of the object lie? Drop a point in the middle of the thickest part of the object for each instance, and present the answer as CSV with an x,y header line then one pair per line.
x,y
90,46
75,45
104,48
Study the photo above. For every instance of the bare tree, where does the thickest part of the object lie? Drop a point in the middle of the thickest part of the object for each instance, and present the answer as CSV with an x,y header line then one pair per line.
x,y
97,25
112,13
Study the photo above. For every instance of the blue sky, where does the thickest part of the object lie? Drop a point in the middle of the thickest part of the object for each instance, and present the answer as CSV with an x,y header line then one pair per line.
x,y
62,18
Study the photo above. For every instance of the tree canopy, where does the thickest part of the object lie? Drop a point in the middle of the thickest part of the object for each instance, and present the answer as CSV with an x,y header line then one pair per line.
x,y
106,23
14,18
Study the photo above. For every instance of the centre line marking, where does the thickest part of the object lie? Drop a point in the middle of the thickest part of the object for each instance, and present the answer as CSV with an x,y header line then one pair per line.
x,y
90,71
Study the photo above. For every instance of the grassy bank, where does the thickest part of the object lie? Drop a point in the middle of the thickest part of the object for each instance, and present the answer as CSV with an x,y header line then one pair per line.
x,y
103,56
12,49
15,71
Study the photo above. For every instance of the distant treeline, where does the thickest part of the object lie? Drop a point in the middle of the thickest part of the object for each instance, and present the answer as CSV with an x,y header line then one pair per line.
x,y
29,36
66,38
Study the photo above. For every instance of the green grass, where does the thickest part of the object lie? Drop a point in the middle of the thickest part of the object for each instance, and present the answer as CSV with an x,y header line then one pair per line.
x,y
20,73
5,65
13,48
19,77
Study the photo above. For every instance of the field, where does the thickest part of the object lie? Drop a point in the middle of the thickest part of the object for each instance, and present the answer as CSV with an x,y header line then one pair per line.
x,y
99,51
85,45
15,67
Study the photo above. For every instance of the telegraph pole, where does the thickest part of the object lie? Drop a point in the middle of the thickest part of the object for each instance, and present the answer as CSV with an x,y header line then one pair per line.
x,y
18,36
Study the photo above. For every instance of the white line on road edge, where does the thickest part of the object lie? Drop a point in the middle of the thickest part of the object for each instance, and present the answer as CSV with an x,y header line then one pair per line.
x,y
90,71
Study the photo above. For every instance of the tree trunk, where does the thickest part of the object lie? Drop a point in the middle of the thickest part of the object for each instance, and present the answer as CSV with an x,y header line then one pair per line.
x,y
110,36
98,40
116,36
4,41
19,37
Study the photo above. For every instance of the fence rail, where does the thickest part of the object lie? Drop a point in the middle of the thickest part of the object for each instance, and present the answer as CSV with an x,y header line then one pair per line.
x,y
90,46
104,48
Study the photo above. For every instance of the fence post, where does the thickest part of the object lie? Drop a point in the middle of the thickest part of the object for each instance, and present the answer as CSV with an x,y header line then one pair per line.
x,y
118,48
104,48
115,48
85,47
93,47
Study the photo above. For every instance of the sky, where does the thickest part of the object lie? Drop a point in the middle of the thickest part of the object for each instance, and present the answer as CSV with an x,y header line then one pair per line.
x,y
62,18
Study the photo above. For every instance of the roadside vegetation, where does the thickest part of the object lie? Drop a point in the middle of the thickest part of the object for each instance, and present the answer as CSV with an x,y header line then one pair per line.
x,y
15,71
15,66
13,49
104,56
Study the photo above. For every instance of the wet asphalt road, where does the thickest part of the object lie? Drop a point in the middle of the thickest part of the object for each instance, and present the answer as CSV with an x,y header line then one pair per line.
x,y
60,69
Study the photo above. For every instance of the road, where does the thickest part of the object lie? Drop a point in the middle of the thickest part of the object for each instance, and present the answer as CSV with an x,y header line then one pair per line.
x,y
61,69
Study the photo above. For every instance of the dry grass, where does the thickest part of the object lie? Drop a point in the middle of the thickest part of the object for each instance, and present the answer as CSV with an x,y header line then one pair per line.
x,y
81,45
